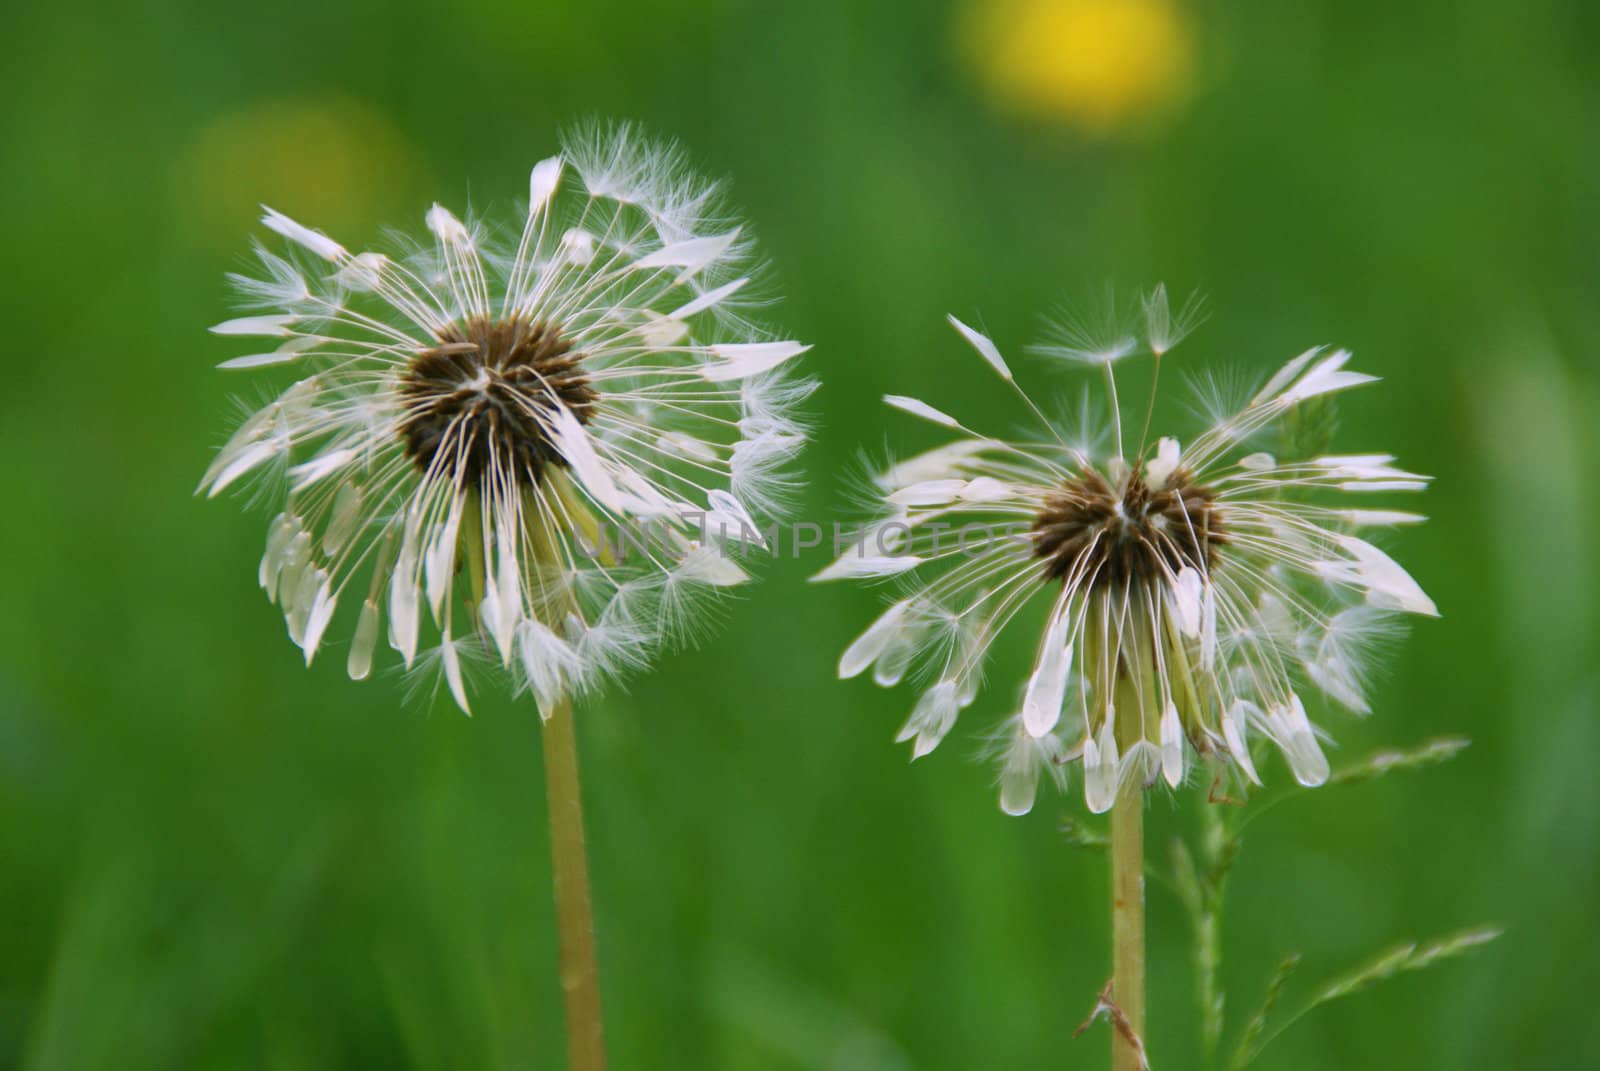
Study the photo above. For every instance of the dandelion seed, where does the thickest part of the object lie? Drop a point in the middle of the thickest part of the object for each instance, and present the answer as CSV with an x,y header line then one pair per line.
x,y
1188,593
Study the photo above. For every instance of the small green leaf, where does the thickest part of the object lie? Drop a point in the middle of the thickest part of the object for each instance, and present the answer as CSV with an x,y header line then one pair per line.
x,y
1246,1049
1430,753
1413,956
1079,835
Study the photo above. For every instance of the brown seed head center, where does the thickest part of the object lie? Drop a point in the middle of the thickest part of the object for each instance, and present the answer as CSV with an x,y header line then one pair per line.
x,y
481,400
1111,535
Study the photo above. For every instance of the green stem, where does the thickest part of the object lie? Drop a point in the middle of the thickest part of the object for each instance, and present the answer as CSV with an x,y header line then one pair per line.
x,y
1127,921
1214,863
580,972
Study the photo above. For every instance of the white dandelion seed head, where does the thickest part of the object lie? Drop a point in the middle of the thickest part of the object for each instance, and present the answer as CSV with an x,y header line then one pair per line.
x,y
501,444
1023,760
1165,326
1110,330
1189,593
1099,334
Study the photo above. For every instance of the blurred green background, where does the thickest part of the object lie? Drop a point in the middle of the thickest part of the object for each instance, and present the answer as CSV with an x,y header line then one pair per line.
x,y
212,858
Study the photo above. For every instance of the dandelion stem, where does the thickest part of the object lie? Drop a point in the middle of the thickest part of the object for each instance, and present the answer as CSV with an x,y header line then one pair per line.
x,y
1127,922
580,973
1216,857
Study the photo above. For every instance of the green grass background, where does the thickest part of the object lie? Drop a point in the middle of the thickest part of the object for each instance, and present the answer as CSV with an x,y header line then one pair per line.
x,y
212,858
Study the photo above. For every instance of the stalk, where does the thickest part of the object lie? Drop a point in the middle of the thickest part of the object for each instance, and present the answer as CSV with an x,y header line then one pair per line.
x,y
1127,923
580,972
1215,859
1127,898
569,860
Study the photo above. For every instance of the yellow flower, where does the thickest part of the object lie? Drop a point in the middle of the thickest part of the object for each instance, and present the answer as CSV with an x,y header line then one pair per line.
x,y
1099,64
331,158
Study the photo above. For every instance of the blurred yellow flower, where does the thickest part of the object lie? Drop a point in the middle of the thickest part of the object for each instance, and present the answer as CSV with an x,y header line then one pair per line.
x,y
1099,64
334,158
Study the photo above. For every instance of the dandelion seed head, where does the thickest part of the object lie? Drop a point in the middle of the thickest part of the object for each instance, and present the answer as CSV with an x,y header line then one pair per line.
x,y
503,440
1184,596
